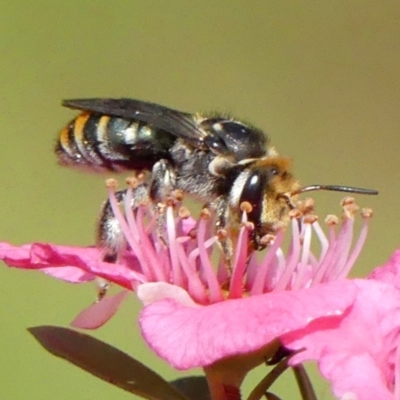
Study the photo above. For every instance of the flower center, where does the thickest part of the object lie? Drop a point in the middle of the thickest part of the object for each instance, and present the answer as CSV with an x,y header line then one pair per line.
x,y
172,247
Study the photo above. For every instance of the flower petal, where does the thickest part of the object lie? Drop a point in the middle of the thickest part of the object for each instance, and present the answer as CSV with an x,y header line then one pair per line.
x,y
357,355
199,336
69,274
48,257
390,272
154,291
99,313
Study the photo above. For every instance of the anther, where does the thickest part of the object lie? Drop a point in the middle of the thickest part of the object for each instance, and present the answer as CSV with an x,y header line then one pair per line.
x,y
170,202
367,213
141,176
295,213
222,234
132,182
161,207
183,212
205,213
331,220
347,201
310,219
246,207
177,195
307,205
350,207
267,239
111,183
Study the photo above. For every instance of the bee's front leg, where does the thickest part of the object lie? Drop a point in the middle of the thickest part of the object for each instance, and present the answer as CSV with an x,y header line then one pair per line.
x,y
163,182
161,190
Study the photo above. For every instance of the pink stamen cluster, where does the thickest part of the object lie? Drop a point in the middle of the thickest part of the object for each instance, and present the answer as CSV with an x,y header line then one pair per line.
x,y
182,250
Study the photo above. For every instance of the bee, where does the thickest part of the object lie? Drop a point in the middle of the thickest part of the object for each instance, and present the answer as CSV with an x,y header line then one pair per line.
x,y
215,158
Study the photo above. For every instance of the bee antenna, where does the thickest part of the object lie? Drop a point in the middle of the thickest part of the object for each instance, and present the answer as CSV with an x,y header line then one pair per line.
x,y
335,188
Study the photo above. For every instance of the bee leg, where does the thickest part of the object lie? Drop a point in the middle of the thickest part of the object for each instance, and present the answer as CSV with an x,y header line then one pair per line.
x,y
163,182
109,236
162,187
221,223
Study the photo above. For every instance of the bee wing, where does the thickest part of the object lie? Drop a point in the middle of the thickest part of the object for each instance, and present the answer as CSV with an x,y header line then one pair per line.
x,y
178,123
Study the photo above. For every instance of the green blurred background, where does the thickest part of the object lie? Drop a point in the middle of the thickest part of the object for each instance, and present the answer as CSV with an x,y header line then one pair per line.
x,y
321,77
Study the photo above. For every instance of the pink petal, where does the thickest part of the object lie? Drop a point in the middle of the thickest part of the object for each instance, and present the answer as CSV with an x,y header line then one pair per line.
x,y
69,274
199,336
88,259
357,355
154,291
390,272
40,255
99,313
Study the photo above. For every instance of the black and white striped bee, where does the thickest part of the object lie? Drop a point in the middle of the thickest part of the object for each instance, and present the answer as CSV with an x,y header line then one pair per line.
x,y
221,161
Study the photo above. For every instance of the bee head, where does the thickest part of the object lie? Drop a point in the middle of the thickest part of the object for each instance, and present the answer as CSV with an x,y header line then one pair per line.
x,y
270,189
267,187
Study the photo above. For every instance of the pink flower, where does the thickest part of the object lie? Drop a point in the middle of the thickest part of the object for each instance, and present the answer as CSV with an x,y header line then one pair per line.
x,y
199,315
360,356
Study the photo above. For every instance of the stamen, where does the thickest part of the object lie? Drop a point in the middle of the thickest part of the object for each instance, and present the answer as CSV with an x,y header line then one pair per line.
x,y
196,287
215,294
177,195
239,264
291,263
177,278
171,247
262,273
128,201
152,265
344,238
246,207
132,182
303,264
112,185
323,241
325,266
183,212
366,214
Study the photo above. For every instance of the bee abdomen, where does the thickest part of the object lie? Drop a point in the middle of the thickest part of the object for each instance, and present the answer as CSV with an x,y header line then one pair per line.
x,y
106,143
